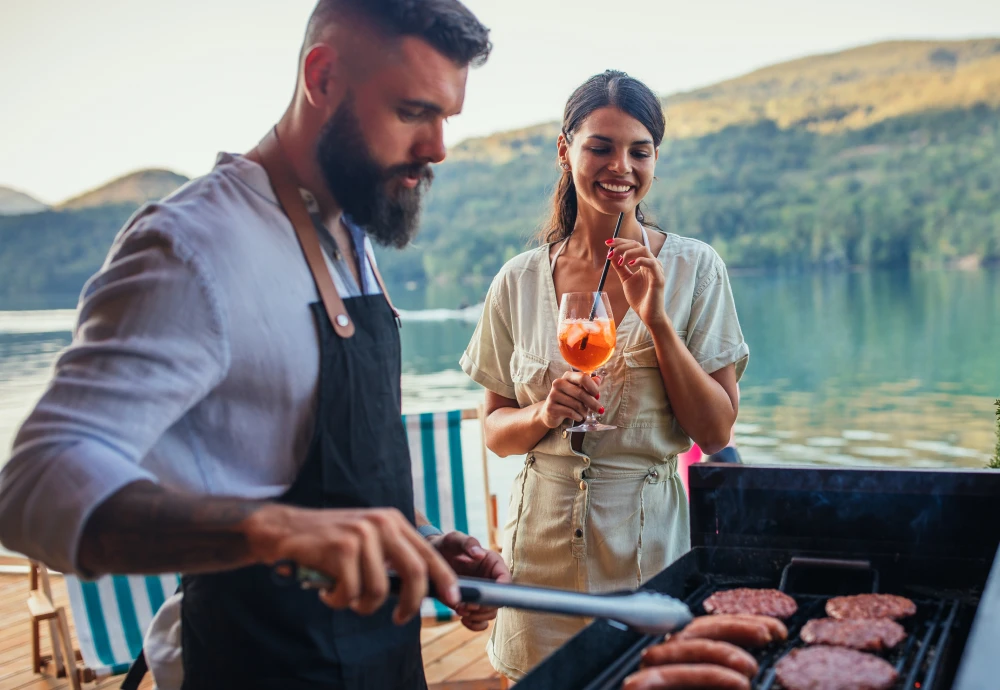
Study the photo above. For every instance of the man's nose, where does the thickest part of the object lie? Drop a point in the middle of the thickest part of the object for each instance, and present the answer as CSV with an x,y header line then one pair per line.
x,y
430,147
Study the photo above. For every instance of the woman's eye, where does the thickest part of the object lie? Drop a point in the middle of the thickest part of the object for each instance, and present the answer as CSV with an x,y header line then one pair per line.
x,y
641,154
599,150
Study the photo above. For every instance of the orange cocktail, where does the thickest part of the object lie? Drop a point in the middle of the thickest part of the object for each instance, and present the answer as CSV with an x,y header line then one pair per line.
x,y
585,344
587,341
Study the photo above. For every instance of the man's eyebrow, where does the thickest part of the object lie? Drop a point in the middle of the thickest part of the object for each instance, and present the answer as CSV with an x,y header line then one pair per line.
x,y
423,105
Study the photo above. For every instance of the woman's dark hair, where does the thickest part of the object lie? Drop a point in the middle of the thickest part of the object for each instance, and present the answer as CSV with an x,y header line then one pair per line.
x,y
615,89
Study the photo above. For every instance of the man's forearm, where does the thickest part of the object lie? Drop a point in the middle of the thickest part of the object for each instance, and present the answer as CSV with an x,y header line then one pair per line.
x,y
145,528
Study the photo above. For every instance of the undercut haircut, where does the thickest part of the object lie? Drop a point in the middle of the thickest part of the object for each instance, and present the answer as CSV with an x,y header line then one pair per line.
x,y
447,25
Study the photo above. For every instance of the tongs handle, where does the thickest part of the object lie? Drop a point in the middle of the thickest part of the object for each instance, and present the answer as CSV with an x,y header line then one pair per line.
x,y
645,611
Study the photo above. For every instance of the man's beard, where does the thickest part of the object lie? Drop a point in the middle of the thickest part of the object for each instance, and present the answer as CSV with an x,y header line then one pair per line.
x,y
369,193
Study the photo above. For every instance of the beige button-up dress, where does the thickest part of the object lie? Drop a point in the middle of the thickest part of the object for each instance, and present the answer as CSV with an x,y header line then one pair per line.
x,y
613,515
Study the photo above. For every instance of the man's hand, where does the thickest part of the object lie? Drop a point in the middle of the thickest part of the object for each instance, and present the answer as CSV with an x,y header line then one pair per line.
x,y
467,557
355,548
147,528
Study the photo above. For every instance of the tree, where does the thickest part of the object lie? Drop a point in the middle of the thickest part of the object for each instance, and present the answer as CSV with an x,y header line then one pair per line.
x,y
995,462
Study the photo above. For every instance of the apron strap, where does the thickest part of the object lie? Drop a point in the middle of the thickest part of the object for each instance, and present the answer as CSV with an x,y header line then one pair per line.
x,y
136,672
282,180
378,279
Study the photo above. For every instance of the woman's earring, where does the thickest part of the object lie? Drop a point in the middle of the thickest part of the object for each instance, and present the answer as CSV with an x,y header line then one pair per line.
x,y
564,166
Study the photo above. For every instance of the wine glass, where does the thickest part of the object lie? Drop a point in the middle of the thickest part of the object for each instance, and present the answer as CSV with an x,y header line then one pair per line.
x,y
587,340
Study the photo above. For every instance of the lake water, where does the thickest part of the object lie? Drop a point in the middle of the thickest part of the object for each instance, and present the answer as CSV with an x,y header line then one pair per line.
x,y
862,369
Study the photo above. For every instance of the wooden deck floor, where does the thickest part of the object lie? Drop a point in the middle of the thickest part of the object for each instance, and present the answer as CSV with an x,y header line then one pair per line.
x,y
454,657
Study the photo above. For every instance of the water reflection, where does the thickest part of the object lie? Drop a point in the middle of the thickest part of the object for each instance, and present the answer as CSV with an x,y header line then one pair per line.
x,y
859,368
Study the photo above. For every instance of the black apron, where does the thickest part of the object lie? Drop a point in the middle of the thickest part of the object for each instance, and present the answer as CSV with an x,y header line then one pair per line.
x,y
240,629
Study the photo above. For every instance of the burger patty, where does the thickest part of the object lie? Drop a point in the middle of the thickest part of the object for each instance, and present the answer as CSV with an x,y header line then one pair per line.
x,y
870,606
869,635
834,668
758,602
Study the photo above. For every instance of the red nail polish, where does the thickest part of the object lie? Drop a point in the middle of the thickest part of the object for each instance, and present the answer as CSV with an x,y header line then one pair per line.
x,y
621,261
597,397
631,262
600,411
610,252
609,242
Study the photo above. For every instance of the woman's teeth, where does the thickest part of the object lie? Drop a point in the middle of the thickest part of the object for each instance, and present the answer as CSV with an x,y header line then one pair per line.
x,y
619,188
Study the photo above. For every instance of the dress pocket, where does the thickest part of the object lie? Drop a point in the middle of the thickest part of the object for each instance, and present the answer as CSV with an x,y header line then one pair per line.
x,y
644,399
530,374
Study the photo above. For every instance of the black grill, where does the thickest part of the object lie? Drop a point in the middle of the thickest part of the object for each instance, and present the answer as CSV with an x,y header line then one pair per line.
x,y
928,536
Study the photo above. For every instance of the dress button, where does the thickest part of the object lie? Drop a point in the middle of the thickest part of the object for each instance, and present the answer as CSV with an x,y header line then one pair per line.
x,y
583,485
654,474
578,534
342,320
565,433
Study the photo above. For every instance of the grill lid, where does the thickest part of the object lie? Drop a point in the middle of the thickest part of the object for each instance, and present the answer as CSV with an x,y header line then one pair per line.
x,y
947,514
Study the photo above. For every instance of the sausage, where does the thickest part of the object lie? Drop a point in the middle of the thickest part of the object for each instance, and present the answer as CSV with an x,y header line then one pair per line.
x,y
776,627
700,652
688,676
742,632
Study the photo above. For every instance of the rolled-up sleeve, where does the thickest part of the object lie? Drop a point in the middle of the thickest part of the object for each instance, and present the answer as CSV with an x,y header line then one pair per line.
x,y
714,334
149,344
487,358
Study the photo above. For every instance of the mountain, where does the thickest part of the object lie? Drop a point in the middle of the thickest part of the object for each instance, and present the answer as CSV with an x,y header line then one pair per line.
x,y
848,90
836,92
135,188
13,202
883,155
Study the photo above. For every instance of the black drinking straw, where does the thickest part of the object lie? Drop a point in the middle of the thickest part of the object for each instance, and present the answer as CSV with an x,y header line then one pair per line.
x,y
600,285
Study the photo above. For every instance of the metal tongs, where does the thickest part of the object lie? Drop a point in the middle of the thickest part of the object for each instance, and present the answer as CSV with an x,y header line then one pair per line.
x,y
649,613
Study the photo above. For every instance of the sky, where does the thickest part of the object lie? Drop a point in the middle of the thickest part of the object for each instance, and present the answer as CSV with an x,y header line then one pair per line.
x,y
93,90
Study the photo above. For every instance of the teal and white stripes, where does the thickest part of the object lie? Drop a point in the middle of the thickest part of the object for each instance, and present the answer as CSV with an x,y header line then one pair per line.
x,y
438,480
112,614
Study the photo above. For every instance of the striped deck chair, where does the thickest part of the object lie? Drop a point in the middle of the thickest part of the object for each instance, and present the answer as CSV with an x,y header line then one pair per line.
x,y
110,615
435,440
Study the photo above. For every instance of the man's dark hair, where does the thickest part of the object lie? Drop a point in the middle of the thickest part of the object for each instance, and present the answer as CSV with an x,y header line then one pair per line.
x,y
447,25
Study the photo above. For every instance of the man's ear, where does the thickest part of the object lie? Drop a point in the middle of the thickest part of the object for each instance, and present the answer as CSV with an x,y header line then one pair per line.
x,y
320,77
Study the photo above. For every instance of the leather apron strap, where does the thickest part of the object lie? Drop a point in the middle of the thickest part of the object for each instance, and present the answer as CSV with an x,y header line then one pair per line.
x,y
282,178
378,279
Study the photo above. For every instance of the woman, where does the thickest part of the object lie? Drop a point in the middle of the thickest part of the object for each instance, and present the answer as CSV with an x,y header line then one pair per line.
x,y
603,511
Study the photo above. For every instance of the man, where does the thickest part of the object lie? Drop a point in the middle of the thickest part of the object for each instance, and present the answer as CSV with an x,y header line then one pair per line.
x,y
213,417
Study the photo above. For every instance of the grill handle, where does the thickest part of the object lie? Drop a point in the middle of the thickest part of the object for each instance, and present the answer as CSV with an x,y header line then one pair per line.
x,y
830,564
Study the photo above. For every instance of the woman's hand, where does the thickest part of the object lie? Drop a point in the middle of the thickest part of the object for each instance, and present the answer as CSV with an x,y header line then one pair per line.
x,y
642,279
468,558
570,397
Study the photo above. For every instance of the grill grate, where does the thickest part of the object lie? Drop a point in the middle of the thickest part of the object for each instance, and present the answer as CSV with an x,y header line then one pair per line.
x,y
917,659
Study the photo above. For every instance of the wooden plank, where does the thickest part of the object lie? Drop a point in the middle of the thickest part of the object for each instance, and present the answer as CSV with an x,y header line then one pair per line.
x,y
446,644
444,668
438,642
40,607
14,562
480,668
481,684
432,631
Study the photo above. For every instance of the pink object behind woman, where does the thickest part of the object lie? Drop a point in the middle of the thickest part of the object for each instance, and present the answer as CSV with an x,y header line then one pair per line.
x,y
684,461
